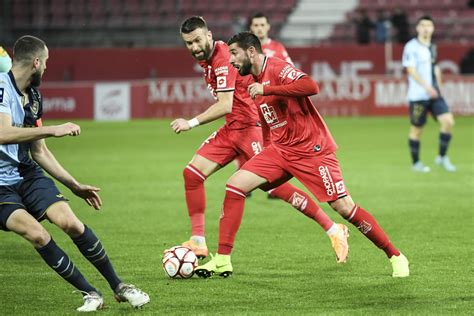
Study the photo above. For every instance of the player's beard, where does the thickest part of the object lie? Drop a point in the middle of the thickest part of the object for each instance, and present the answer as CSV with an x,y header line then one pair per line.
x,y
206,51
246,67
36,79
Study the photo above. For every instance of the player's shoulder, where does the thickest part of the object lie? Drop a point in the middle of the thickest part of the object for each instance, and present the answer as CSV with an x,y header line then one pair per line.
x,y
412,44
221,50
277,43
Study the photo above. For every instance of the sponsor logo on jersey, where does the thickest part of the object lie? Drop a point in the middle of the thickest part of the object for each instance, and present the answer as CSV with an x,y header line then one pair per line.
x,y
327,180
221,82
269,114
289,72
340,187
222,71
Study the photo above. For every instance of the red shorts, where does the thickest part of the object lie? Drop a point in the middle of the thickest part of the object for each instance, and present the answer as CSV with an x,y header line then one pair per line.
x,y
226,144
319,174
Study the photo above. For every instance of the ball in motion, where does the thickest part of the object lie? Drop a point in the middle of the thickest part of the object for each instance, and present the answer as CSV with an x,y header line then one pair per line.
x,y
179,262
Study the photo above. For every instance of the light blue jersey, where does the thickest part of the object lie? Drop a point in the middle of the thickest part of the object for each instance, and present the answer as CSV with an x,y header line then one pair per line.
x,y
14,158
423,59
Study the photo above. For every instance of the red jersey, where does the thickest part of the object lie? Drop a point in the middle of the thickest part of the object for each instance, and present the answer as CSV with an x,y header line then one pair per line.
x,y
220,76
296,127
276,49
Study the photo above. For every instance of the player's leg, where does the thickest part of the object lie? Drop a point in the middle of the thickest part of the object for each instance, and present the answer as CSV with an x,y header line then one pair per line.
x,y
261,169
92,249
418,113
446,122
370,228
214,153
300,200
237,187
25,225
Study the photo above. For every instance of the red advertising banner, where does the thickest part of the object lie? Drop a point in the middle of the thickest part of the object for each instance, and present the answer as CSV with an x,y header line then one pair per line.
x,y
118,64
168,98
68,101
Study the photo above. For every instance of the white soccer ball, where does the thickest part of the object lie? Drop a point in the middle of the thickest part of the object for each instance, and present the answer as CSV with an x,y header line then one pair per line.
x,y
179,262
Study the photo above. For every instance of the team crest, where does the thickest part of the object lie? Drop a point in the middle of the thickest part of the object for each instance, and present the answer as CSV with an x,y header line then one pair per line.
x,y
34,108
298,201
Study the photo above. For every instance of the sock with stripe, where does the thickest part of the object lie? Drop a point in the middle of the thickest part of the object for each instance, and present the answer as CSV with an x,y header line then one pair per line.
x,y
444,139
231,217
301,201
195,198
91,248
368,226
59,261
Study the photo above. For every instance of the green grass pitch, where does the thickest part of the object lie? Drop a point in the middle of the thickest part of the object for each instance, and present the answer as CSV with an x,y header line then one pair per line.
x,y
283,262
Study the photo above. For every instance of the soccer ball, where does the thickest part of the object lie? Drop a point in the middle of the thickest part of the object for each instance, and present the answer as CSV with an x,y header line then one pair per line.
x,y
179,262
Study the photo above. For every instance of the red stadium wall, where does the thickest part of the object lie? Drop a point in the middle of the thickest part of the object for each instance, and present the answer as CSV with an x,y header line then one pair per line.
x,y
362,96
109,64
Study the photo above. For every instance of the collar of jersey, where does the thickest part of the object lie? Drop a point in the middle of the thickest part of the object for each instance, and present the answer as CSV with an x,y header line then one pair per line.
x,y
12,78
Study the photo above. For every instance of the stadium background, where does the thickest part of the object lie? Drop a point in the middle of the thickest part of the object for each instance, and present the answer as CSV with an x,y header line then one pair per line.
x,y
123,61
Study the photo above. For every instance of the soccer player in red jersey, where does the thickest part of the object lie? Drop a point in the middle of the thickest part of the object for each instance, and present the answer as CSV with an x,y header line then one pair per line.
x,y
260,26
301,147
240,136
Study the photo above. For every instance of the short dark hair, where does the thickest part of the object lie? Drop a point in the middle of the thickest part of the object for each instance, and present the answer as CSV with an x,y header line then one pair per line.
x,y
26,47
258,15
245,40
192,23
424,17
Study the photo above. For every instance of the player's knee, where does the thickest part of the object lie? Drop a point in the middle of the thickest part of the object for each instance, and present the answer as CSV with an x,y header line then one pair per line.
x,y
38,236
343,206
74,228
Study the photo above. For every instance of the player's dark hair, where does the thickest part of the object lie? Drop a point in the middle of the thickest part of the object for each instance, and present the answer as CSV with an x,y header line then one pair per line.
x,y
424,17
245,40
27,47
258,15
192,23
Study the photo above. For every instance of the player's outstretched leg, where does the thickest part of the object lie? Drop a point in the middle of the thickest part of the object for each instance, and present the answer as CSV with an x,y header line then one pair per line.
x,y
369,227
91,247
22,223
300,200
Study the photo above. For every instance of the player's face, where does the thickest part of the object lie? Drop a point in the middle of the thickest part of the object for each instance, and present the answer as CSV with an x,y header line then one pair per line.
x,y
40,66
240,59
198,42
260,27
425,28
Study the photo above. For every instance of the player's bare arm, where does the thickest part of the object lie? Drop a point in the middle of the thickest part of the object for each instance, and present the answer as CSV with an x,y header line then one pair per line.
x,y
13,135
222,107
45,159
416,76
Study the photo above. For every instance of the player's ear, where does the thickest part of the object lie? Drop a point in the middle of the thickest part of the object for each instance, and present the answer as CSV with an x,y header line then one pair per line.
x,y
209,35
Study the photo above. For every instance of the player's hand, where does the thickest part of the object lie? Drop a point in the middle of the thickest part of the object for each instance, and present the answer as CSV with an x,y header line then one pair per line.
x,y
432,92
89,194
180,125
66,129
255,89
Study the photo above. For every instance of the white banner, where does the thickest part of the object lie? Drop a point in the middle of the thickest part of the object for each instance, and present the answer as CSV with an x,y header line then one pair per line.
x,y
112,101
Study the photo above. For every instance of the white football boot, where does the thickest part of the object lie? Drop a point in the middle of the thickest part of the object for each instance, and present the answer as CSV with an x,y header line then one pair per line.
x,y
131,294
92,302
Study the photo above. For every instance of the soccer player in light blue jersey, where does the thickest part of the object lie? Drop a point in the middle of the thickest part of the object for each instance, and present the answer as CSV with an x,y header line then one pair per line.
x,y
27,196
424,95
5,60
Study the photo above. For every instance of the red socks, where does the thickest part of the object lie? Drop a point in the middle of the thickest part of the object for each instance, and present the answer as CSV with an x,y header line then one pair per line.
x,y
231,217
302,202
368,226
195,198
